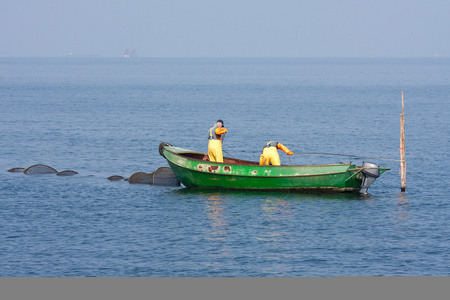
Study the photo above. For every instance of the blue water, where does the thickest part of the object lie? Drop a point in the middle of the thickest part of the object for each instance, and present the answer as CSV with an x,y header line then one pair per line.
x,y
103,117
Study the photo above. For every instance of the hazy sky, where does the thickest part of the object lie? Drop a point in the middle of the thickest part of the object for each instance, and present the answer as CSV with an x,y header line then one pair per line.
x,y
226,28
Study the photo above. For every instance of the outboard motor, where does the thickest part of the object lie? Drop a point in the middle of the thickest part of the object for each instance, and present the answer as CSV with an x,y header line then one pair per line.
x,y
368,176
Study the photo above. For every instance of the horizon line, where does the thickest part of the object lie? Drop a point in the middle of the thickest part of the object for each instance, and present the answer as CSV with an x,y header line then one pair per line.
x,y
221,57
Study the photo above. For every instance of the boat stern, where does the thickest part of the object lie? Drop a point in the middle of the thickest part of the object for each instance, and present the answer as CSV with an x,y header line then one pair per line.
x,y
369,173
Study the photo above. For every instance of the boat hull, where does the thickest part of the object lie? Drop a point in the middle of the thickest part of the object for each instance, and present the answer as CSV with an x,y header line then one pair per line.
x,y
195,171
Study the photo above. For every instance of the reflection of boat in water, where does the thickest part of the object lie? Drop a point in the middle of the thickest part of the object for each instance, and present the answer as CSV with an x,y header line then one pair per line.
x,y
195,170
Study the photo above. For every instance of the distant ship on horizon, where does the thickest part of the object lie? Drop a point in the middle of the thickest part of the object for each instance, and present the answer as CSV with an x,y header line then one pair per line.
x,y
129,53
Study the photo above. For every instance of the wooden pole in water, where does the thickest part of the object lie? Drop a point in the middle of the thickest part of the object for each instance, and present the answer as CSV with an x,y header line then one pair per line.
x,y
402,147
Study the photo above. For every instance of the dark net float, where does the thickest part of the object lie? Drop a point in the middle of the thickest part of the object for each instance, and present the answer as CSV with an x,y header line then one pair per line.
x,y
39,169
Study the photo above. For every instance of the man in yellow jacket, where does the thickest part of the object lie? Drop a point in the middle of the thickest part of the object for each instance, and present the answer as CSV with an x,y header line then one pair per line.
x,y
215,141
270,155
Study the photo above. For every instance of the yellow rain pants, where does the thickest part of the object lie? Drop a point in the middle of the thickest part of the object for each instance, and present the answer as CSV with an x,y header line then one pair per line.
x,y
215,150
270,157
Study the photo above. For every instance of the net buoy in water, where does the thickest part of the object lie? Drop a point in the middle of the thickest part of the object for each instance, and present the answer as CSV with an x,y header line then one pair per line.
x,y
16,170
67,173
39,169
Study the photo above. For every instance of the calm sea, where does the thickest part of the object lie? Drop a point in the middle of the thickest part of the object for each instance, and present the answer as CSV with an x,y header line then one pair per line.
x,y
107,116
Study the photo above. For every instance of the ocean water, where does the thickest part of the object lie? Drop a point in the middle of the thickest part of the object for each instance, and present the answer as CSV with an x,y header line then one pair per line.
x,y
107,116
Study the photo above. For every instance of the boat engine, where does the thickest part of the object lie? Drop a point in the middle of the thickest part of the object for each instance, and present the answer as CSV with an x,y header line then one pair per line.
x,y
368,176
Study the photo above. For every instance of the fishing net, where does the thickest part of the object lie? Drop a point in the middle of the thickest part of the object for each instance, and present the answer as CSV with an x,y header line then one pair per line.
x,y
16,170
165,176
115,177
141,177
66,173
162,176
39,169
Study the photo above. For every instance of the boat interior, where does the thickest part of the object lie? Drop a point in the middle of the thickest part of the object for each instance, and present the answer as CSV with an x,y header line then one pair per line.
x,y
226,160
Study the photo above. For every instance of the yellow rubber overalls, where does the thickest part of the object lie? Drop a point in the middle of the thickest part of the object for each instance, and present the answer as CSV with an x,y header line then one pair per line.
x,y
270,155
215,143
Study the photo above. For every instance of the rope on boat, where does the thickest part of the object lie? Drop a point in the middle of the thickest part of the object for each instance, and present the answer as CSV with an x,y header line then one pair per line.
x,y
348,155
331,154
229,154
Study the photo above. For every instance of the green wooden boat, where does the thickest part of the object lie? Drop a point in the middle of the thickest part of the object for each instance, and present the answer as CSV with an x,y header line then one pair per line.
x,y
194,170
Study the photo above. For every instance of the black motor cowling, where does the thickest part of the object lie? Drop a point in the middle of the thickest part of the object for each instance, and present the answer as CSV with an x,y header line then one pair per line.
x,y
161,148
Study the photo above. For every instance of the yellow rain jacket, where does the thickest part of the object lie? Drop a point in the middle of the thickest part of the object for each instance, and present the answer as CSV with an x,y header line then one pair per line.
x,y
270,155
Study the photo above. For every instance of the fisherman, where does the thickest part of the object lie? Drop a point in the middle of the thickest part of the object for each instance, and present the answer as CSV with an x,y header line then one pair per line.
x,y
270,155
215,134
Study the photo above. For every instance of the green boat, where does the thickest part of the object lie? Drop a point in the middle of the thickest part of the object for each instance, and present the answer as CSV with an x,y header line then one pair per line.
x,y
194,170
